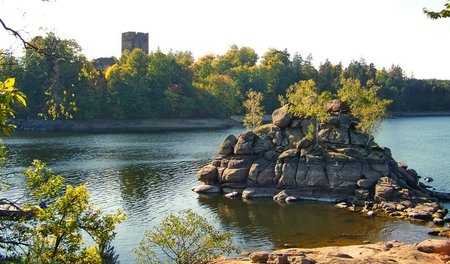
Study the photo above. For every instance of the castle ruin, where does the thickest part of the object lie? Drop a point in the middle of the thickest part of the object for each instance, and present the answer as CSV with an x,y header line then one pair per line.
x,y
135,40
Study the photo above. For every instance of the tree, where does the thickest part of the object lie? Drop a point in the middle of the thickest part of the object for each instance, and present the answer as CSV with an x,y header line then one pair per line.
x,y
255,111
305,101
8,96
51,76
278,73
54,233
329,76
364,103
225,89
186,238
445,12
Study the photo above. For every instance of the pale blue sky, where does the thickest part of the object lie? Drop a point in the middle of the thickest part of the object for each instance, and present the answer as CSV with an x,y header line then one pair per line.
x,y
385,32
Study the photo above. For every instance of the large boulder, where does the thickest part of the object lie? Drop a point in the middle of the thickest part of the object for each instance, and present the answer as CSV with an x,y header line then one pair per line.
x,y
281,117
208,174
288,174
245,143
227,146
336,106
262,145
386,189
434,246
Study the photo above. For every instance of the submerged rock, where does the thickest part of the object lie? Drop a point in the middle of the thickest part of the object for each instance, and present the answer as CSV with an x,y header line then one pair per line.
x,y
279,162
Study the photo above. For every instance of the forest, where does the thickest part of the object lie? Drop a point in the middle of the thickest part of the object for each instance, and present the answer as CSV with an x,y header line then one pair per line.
x,y
60,82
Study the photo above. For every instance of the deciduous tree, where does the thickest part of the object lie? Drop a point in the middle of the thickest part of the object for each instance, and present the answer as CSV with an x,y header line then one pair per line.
x,y
255,111
185,238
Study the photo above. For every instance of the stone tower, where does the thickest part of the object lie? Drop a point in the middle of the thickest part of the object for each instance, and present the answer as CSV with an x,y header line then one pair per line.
x,y
135,40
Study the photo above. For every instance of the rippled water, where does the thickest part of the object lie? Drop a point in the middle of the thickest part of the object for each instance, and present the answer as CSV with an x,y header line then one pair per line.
x,y
150,175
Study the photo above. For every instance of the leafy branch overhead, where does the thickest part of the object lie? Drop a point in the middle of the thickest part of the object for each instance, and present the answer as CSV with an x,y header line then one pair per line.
x,y
9,95
444,13
55,233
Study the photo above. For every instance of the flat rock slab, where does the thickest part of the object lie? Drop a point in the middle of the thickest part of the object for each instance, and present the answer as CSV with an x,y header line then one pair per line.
x,y
206,189
382,252
251,193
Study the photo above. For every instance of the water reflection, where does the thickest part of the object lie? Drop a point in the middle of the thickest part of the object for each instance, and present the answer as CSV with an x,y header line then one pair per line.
x,y
303,224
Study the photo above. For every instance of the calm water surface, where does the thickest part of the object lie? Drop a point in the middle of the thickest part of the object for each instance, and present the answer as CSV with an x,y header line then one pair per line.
x,y
150,175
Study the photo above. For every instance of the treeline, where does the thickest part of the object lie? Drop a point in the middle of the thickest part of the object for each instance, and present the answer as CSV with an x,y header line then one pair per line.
x,y
60,82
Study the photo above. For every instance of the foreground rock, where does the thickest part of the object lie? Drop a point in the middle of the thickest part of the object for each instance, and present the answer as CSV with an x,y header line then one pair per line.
x,y
278,161
428,251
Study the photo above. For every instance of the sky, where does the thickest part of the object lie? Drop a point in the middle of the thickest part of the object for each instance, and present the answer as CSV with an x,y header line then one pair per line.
x,y
384,32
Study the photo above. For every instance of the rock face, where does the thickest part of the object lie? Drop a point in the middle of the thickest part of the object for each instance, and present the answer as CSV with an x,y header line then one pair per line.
x,y
428,251
277,161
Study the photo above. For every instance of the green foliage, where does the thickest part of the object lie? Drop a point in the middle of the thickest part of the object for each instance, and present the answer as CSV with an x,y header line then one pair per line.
x,y
305,101
364,103
54,234
225,89
186,238
51,76
8,96
255,111
445,12
59,82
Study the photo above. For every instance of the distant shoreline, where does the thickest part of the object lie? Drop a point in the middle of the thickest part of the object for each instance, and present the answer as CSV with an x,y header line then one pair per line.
x,y
112,126
158,125
419,114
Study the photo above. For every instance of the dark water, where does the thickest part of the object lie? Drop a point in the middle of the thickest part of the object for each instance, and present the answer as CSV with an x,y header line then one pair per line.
x,y
150,175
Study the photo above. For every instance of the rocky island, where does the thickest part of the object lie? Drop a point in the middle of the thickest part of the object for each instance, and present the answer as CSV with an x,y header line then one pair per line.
x,y
342,166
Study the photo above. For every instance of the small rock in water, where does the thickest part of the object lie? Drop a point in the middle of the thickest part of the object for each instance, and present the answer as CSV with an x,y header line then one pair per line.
x,y
438,221
428,179
290,199
289,245
232,195
371,213
342,205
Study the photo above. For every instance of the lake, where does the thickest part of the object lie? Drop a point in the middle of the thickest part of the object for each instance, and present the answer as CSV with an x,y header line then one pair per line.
x,y
150,175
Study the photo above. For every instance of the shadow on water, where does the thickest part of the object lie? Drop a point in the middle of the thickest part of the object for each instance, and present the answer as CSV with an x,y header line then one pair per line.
x,y
304,224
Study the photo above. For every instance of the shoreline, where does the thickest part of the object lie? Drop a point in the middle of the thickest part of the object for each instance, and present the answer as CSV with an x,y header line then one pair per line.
x,y
427,251
158,125
418,114
115,126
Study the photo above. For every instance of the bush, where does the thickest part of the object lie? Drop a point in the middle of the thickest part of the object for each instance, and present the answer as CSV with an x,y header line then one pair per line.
x,y
186,238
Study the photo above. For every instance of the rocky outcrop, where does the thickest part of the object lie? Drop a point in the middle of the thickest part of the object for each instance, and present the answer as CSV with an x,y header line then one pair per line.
x,y
428,251
278,161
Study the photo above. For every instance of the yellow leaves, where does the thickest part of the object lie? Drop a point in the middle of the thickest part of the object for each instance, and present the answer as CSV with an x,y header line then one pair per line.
x,y
9,83
8,96
90,256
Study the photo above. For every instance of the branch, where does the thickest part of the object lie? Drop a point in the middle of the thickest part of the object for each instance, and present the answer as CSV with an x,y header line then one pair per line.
x,y
26,44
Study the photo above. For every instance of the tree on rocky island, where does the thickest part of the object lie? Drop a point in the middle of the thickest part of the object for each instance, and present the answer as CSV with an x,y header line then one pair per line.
x,y
255,111
364,103
305,101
